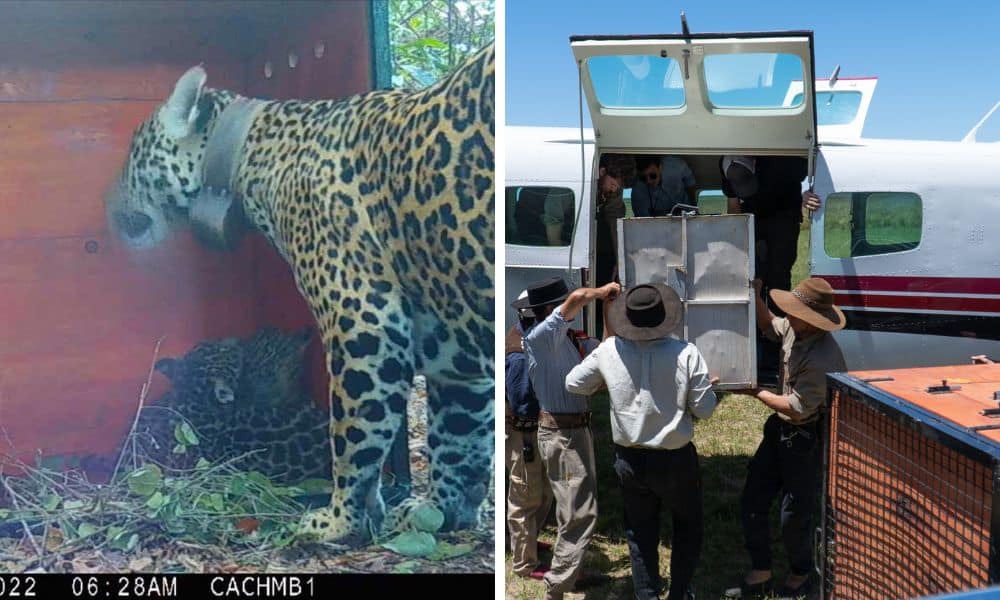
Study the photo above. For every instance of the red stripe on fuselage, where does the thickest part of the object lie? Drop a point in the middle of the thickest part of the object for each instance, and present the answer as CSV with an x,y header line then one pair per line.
x,y
939,285
919,303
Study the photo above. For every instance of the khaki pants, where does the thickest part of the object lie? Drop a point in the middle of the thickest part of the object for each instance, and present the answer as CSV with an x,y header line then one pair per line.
x,y
568,455
529,498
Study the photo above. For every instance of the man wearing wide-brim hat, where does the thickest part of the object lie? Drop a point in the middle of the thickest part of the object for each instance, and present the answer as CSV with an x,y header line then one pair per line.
x,y
565,443
788,460
658,386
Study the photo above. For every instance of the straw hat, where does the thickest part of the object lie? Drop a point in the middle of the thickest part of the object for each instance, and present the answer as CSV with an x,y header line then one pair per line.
x,y
811,301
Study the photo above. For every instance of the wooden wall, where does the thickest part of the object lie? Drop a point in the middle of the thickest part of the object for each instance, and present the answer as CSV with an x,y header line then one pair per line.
x,y
79,315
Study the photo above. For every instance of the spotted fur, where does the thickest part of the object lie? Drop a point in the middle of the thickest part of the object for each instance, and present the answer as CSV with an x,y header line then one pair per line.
x,y
284,438
383,206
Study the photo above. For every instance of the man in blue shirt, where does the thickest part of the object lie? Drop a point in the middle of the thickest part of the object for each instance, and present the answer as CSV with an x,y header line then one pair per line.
x,y
565,443
662,184
529,496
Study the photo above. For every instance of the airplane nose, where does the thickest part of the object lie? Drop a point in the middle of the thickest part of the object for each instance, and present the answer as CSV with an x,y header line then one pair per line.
x,y
133,224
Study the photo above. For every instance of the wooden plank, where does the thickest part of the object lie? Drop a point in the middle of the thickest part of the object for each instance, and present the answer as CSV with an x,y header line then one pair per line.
x,y
343,70
58,161
281,305
57,293
151,82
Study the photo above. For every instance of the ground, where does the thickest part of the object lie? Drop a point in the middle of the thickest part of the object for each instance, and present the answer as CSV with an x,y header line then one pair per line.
x,y
54,553
725,443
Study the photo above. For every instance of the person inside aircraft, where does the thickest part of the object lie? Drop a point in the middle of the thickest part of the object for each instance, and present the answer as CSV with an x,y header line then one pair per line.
x,y
663,183
770,187
617,172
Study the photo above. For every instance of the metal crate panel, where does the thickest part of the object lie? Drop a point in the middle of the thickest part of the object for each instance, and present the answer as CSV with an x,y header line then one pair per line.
x,y
720,333
708,261
719,258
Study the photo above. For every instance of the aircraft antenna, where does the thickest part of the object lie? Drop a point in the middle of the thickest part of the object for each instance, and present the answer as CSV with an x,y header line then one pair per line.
x,y
835,75
970,138
684,27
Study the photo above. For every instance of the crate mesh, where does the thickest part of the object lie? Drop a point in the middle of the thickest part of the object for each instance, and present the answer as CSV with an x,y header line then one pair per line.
x,y
906,516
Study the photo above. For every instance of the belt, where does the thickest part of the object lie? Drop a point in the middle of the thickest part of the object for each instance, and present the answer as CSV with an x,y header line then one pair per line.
x,y
547,420
519,423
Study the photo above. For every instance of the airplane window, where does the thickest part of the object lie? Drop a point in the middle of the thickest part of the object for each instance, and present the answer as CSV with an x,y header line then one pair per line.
x,y
833,108
712,202
869,223
540,216
634,81
751,80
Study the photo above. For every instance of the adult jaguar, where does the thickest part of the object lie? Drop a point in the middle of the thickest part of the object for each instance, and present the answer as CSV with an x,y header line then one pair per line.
x,y
383,206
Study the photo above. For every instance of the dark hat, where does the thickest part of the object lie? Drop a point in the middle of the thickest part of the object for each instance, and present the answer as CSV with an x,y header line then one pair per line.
x,y
740,173
647,312
811,301
541,293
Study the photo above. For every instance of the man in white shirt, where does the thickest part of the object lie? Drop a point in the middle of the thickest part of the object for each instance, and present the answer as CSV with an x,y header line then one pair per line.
x,y
658,387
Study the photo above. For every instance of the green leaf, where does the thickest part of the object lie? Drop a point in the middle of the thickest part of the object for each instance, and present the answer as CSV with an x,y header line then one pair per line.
x,y
202,464
4,513
157,501
427,518
444,551
315,487
237,486
73,504
145,480
407,567
431,43
86,530
412,543
184,434
180,449
217,502
52,502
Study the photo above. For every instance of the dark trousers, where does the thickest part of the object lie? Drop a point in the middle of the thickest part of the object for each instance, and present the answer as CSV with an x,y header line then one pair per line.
x,y
651,480
787,462
777,245
776,248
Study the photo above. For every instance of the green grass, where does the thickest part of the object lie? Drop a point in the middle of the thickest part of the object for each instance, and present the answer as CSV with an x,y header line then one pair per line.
x,y
725,443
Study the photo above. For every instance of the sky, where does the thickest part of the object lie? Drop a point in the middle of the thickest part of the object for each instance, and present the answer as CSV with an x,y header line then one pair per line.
x,y
938,63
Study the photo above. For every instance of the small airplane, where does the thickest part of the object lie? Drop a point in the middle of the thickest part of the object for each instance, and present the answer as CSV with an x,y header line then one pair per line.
x,y
908,233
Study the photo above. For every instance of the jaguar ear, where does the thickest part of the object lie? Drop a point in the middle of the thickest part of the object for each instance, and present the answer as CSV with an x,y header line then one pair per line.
x,y
217,219
179,114
167,366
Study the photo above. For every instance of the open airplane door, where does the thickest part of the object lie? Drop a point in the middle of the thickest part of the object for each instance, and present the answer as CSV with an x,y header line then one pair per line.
x,y
716,93
705,94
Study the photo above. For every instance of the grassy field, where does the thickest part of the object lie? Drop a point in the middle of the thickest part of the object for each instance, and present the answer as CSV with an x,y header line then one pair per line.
x,y
725,443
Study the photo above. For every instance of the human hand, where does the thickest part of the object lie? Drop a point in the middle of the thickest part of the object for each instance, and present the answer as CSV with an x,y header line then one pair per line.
x,y
811,201
712,380
610,291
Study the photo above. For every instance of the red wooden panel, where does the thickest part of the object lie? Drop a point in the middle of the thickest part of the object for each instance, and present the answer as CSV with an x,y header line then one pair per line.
x,y
343,70
279,304
58,162
150,82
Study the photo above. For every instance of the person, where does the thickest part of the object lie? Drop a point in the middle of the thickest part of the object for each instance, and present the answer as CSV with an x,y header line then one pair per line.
x,y
788,460
565,443
529,496
658,386
615,174
770,187
662,184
